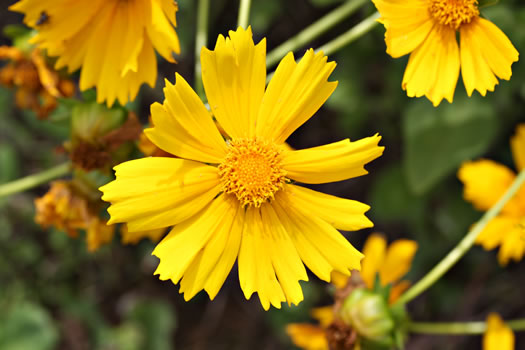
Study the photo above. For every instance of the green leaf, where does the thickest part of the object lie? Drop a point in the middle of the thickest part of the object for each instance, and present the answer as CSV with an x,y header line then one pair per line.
x,y
438,140
27,326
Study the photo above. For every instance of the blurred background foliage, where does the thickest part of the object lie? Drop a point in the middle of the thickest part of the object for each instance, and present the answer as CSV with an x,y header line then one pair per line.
x,y
56,295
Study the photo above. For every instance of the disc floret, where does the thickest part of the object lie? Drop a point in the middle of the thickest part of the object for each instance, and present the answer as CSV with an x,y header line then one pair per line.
x,y
454,13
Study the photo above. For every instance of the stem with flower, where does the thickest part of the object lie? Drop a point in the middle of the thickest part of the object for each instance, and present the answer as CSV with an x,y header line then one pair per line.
x,y
34,180
463,246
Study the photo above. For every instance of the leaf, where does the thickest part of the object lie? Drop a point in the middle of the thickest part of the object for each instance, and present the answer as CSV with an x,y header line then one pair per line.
x,y
27,326
438,140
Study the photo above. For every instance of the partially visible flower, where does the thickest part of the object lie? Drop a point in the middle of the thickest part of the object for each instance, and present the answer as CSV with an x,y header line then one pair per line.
x,y
498,336
358,311
133,237
65,208
236,199
113,41
148,148
37,85
427,30
485,182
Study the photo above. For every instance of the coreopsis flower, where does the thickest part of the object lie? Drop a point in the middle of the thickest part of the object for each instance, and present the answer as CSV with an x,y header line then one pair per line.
x,y
498,336
485,182
37,85
358,311
427,30
67,209
128,237
233,199
114,42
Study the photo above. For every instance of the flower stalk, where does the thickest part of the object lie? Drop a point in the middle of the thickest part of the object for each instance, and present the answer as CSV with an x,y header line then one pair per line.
x,y
201,39
478,327
314,30
463,246
34,180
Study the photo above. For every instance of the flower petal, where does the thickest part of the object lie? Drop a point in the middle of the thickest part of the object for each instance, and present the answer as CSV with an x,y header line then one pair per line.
x,y
485,182
374,252
183,126
495,232
343,214
161,31
321,247
433,68
212,264
498,336
151,193
187,240
333,162
517,143
295,93
234,77
398,260
407,24
486,53
308,336
512,244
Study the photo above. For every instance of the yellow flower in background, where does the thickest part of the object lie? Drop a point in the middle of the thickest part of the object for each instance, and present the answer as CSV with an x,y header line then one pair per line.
x,y
234,199
485,182
113,41
498,336
427,29
388,263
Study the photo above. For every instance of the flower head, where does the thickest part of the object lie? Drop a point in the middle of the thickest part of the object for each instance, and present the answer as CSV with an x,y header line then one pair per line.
x,y
485,182
498,335
114,41
426,29
233,198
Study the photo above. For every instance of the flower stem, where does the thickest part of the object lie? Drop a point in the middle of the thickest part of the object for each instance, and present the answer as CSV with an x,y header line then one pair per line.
x,y
459,327
34,180
463,246
314,30
354,33
201,40
244,13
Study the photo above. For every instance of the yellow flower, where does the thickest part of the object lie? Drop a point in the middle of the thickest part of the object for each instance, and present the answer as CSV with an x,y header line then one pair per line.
x,y
234,198
485,182
498,336
426,29
389,263
128,237
114,41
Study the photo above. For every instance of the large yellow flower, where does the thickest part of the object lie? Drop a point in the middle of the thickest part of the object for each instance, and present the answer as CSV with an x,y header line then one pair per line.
x,y
485,182
426,29
235,198
112,40
498,336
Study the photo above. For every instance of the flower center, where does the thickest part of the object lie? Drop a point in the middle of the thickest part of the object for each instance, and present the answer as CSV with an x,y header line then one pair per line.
x,y
252,171
454,13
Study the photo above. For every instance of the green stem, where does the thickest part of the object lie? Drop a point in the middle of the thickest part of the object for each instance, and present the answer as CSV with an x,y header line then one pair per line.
x,y
201,40
463,246
354,33
244,13
459,327
34,180
314,30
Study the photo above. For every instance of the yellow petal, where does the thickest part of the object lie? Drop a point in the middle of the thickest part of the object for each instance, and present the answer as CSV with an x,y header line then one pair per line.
x,y
162,33
211,266
407,24
151,193
183,126
517,143
398,260
332,162
321,247
294,94
128,237
234,77
398,289
374,252
494,233
498,336
307,336
433,68
325,315
256,273
186,240
486,53
343,214
485,182
339,280
512,244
